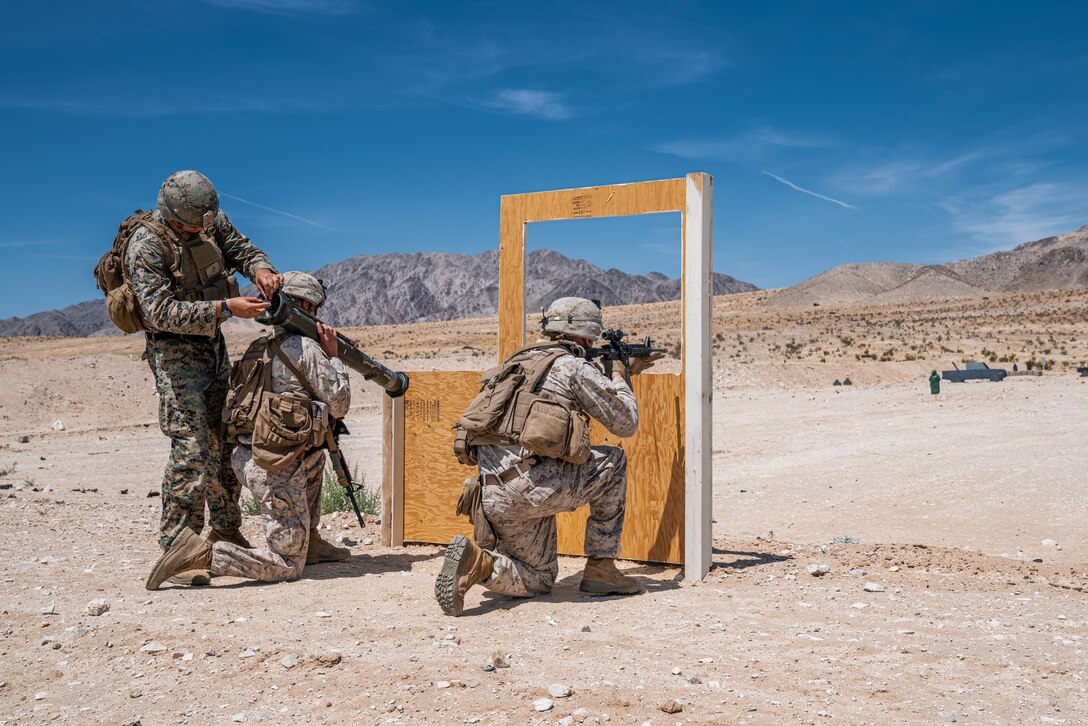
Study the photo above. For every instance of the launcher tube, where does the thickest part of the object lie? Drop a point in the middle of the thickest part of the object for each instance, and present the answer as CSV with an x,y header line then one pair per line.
x,y
284,314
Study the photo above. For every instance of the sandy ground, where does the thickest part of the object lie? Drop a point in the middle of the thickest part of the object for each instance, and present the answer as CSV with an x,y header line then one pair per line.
x,y
944,504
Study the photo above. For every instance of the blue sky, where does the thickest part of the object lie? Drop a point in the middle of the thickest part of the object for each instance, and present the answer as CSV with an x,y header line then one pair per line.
x,y
835,131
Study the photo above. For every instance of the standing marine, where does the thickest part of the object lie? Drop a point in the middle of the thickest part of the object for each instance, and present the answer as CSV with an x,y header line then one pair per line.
x,y
535,461
179,262
286,393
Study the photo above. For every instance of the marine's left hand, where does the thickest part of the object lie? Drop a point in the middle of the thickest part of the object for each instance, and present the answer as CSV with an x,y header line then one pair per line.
x,y
268,282
638,365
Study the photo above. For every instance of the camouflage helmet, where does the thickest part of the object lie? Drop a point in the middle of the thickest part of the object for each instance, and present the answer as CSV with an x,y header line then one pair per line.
x,y
187,198
305,286
574,316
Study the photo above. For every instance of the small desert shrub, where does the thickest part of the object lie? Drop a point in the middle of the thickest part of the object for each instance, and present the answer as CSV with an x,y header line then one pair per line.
x,y
335,499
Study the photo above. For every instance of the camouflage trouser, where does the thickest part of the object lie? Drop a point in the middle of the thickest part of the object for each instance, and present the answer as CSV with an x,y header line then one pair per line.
x,y
522,513
290,507
191,378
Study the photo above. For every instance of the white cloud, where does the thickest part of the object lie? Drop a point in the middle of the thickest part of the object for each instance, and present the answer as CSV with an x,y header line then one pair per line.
x,y
542,104
811,193
1021,215
898,175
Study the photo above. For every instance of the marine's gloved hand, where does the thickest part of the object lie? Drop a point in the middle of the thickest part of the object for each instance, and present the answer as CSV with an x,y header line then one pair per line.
x,y
638,365
612,367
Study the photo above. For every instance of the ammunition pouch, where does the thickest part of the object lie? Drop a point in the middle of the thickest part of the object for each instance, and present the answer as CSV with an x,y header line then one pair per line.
x,y
282,426
283,431
550,426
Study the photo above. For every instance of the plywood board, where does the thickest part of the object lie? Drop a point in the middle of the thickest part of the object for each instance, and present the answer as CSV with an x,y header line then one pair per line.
x,y
433,478
654,527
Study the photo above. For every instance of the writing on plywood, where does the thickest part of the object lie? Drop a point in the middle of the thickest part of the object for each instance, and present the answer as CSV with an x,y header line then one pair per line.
x,y
581,205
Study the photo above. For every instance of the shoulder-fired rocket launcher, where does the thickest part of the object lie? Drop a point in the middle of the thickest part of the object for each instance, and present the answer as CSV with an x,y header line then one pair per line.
x,y
284,313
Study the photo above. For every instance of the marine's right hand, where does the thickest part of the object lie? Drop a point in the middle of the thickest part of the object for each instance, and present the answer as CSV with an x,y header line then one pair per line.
x,y
327,337
247,307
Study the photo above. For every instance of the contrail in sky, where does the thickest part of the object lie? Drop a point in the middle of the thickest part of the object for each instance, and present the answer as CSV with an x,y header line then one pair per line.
x,y
791,185
277,211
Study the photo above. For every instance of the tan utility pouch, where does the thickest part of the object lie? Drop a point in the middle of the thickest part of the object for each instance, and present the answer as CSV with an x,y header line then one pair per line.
x,y
553,429
283,430
462,449
123,309
471,505
546,430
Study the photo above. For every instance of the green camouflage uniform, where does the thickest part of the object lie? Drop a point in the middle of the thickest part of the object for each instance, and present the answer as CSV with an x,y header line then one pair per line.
x,y
191,377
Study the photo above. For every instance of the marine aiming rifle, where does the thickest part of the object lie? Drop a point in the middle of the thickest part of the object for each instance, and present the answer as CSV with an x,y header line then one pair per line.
x,y
618,350
283,313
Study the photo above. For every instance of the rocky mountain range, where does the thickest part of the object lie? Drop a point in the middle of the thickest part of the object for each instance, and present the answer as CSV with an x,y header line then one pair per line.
x,y
423,286
1054,263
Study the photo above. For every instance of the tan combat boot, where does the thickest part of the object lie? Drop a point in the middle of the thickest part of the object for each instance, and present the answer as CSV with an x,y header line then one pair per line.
x,y
602,578
188,552
464,566
318,550
232,535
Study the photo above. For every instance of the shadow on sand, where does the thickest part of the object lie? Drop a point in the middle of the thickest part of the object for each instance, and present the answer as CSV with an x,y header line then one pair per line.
x,y
737,560
354,566
566,590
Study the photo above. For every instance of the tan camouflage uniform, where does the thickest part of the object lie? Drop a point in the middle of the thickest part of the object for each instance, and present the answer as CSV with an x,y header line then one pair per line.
x,y
289,499
191,378
522,511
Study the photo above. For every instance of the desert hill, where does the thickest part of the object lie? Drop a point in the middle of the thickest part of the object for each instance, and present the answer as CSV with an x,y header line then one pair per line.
x,y
1054,263
423,286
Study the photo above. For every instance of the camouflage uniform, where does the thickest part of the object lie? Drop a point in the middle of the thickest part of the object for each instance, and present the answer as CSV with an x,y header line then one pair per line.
x,y
289,499
191,377
522,511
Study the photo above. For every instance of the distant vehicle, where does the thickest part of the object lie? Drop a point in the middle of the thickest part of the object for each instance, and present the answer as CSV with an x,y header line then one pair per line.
x,y
974,371
1083,370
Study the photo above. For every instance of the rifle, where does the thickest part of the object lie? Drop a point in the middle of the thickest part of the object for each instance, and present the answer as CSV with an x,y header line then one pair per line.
x,y
617,349
340,466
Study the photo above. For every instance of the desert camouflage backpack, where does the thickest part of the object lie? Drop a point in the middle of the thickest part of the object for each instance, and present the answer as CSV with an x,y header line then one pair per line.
x,y
512,408
112,278
281,426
